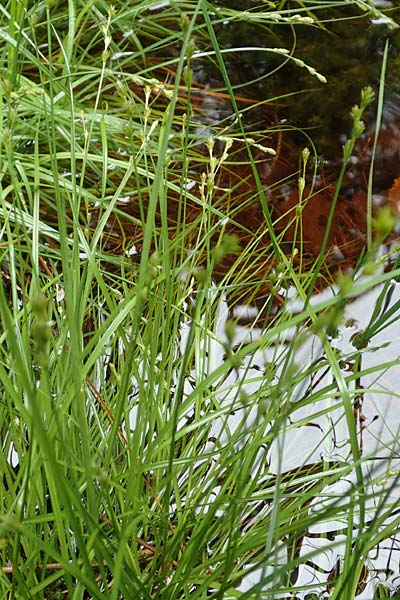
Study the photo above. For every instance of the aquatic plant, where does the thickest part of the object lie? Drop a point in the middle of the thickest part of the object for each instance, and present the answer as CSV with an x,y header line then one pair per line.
x,y
148,189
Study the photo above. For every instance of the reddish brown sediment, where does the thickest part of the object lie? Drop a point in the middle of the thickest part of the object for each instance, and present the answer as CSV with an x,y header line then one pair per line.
x,y
346,237
237,208
394,196
241,193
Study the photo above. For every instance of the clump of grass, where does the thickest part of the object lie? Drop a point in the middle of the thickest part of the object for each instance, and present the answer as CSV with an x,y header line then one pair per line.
x,y
144,443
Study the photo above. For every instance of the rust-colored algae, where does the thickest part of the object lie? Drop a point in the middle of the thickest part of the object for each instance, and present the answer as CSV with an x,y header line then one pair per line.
x,y
237,208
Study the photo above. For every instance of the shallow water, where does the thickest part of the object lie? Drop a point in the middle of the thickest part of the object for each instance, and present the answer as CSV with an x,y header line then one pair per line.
x,y
347,53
